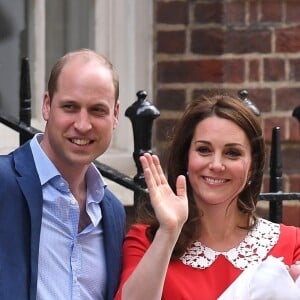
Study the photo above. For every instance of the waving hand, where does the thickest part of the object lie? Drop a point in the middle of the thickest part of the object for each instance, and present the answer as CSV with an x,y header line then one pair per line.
x,y
171,209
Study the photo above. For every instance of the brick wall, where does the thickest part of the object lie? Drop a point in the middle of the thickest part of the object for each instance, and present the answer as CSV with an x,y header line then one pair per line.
x,y
207,45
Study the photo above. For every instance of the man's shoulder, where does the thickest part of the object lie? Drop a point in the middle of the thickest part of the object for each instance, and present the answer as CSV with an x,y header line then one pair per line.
x,y
21,150
111,197
5,161
110,202
21,156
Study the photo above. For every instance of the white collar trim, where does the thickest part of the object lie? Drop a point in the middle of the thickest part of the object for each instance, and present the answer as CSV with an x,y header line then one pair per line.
x,y
252,250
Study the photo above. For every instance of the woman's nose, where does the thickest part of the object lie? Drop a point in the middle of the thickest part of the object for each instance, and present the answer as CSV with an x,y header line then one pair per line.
x,y
216,165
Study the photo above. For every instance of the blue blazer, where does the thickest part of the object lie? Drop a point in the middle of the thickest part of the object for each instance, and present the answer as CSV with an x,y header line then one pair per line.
x,y
20,224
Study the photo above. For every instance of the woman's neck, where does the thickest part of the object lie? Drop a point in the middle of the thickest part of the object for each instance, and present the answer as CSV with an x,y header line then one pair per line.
x,y
222,230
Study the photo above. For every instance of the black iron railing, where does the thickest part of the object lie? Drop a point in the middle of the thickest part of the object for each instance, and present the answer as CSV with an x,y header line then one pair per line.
x,y
142,114
276,196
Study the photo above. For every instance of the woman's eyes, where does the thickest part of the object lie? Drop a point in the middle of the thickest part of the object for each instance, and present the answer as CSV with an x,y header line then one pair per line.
x,y
203,150
232,153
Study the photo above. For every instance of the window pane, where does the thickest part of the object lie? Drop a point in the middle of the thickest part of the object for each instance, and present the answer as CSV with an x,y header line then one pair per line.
x,y
69,26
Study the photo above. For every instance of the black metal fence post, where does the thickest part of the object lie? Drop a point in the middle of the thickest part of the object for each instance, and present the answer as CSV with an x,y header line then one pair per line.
x,y
243,95
275,207
141,114
25,99
296,113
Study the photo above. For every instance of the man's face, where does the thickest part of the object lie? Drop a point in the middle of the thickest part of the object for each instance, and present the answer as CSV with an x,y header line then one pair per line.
x,y
81,116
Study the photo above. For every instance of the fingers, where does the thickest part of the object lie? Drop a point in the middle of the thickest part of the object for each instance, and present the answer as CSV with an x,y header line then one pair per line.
x,y
181,186
170,209
154,174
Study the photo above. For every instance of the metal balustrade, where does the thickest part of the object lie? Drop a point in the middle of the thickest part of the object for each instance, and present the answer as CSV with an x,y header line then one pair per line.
x,y
142,114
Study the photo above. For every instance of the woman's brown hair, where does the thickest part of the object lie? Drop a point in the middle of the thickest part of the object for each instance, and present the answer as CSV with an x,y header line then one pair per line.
x,y
223,106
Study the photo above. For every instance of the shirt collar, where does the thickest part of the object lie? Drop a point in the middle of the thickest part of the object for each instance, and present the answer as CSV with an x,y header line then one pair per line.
x,y
47,171
95,184
44,166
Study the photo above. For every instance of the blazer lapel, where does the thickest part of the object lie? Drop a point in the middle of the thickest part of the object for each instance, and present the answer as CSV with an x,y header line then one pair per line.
x,y
31,187
113,231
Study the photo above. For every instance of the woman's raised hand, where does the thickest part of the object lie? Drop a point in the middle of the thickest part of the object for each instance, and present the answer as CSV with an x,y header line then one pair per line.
x,y
171,209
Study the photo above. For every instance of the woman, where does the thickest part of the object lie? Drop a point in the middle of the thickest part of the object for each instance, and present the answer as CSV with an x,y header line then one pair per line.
x,y
204,232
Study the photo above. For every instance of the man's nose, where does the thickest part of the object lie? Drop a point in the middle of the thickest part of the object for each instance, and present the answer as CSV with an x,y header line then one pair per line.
x,y
83,122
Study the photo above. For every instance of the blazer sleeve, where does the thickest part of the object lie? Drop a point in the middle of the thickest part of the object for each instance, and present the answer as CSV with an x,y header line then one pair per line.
x,y
114,226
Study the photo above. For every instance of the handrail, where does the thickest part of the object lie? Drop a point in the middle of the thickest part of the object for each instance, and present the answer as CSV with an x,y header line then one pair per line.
x,y
279,196
121,178
142,113
275,196
106,171
16,125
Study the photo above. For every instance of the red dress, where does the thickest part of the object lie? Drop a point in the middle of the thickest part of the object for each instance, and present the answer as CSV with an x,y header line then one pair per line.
x,y
203,273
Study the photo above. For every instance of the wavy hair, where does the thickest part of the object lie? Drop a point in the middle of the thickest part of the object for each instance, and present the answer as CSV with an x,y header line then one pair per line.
x,y
230,108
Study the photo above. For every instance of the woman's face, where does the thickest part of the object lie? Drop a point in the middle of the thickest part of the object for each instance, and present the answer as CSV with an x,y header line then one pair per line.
x,y
219,161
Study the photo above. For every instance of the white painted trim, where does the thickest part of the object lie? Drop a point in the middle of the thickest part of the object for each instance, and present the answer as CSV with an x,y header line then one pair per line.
x,y
123,32
37,59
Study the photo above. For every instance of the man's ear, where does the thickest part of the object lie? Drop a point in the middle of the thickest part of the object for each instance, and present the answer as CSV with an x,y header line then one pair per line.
x,y
116,114
46,106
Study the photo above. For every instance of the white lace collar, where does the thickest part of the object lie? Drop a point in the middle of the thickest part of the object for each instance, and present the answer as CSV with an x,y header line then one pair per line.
x,y
252,250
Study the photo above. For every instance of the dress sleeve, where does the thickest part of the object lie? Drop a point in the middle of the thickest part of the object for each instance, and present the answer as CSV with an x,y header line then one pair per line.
x,y
288,245
297,248
293,238
135,245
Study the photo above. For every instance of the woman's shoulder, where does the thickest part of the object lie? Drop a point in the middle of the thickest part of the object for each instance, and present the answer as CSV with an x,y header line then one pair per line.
x,y
283,230
137,235
289,231
278,240
137,230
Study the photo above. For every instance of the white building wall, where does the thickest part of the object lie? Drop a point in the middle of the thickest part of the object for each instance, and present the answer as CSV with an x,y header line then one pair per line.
x,y
123,32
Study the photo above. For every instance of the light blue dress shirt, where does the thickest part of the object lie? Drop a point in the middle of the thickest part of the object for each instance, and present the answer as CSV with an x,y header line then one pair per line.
x,y
71,264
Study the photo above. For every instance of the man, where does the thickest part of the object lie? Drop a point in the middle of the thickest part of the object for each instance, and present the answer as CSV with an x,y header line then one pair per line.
x,y
61,229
